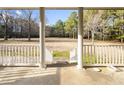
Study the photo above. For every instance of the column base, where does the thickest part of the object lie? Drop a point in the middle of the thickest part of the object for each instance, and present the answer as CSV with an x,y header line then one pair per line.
x,y
42,66
80,68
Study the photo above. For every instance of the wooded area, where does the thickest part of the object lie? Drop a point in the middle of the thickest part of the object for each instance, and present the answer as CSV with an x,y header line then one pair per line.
x,y
15,25
98,24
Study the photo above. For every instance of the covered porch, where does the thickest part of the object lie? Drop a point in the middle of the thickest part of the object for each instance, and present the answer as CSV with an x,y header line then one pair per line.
x,y
104,54
98,55
67,74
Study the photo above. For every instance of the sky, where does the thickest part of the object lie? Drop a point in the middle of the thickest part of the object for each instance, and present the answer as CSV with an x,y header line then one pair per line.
x,y
52,16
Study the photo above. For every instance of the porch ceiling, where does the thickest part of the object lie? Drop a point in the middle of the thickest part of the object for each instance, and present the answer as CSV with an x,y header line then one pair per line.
x,y
61,8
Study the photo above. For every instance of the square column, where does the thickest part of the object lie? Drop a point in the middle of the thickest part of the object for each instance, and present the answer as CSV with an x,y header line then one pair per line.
x,y
80,39
42,37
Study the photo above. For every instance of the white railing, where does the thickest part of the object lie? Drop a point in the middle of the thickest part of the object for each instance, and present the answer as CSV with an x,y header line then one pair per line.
x,y
22,55
19,54
93,55
101,55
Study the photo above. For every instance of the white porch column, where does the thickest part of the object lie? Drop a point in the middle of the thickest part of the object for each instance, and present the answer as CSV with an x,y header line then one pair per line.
x,y
80,38
42,37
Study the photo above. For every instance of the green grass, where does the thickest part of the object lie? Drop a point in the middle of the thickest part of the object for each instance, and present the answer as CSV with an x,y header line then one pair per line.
x,y
61,54
89,58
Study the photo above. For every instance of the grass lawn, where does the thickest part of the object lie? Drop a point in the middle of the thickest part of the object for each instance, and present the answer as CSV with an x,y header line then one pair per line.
x,y
65,54
61,54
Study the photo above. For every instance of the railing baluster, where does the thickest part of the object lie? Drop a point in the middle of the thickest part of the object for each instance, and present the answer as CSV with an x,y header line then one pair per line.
x,y
1,51
31,57
122,54
9,54
109,56
37,54
116,55
103,54
17,54
84,52
106,54
20,48
20,54
100,55
88,56
97,58
122,51
105,47
34,60
15,50
6,55
3,54
94,56
119,48
26,55
113,52
12,54
0,55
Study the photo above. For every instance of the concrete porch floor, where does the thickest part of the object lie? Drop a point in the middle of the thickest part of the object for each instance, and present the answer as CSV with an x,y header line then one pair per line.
x,y
58,75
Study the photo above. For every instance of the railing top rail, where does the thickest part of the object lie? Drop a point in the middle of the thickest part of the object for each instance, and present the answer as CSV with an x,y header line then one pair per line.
x,y
19,44
101,45
39,45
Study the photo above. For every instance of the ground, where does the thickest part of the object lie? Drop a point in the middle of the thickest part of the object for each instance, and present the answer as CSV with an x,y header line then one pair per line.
x,y
69,75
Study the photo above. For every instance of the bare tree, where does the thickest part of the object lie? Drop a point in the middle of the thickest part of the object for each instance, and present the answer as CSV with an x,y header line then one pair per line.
x,y
19,19
28,16
5,15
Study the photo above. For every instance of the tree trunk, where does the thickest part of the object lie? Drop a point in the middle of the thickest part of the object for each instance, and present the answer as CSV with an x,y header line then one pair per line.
x,y
92,37
29,30
122,40
73,35
103,34
88,35
5,37
21,32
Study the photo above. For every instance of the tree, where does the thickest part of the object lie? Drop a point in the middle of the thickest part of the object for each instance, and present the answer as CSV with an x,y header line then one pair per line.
x,y
92,19
114,23
19,22
28,16
59,28
71,24
120,24
5,15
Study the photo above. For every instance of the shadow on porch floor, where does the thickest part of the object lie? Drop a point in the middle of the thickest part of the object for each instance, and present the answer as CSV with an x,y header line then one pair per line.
x,y
67,75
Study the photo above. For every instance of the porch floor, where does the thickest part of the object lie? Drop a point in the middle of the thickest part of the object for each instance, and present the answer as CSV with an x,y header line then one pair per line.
x,y
58,75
